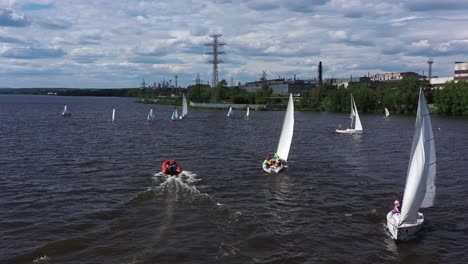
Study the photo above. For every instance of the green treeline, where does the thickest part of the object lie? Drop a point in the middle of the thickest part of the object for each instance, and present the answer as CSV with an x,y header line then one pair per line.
x,y
452,99
399,97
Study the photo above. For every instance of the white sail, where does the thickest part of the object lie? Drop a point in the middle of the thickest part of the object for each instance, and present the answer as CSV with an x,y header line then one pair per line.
x,y
150,115
420,179
387,113
229,114
287,132
184,106
65,111
248,112
357,123
113,114
175,114
353,114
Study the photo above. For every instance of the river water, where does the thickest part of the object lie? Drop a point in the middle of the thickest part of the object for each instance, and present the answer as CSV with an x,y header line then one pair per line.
x,y
84,189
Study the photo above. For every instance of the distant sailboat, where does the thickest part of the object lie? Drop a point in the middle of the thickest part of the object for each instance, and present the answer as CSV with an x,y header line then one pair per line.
x,y
65,111
420,186
184,107
387,113
247,113
175,114
151,116
285,141
113,114
230,114
357,128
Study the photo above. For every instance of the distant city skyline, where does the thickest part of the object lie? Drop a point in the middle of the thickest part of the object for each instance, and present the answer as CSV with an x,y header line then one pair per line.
x,y
117,44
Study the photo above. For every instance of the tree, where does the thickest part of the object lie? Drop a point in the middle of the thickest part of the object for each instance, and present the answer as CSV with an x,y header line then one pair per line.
x,y
199,93
452,99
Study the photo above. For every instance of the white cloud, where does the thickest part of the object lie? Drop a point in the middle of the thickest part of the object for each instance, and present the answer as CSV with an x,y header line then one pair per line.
x,y
421,44
339,35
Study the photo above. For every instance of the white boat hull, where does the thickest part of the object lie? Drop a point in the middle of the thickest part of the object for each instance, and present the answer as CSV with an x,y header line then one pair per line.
x,y
405,231
273,169
348,131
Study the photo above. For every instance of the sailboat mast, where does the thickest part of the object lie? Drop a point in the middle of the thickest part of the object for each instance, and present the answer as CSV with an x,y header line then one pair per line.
x,y
353,114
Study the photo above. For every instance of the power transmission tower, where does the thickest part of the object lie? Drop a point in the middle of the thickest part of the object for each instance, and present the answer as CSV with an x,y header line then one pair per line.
x,y
215,61
198,80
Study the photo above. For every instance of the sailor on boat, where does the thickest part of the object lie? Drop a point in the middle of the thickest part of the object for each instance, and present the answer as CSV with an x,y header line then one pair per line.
x,y
273,164
396,207
268,161
171,167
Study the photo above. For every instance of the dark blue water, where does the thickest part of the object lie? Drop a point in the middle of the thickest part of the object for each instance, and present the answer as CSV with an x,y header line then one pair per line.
x,y
85,190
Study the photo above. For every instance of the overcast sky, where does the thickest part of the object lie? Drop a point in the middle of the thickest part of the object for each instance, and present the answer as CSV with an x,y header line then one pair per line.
x,y
117,43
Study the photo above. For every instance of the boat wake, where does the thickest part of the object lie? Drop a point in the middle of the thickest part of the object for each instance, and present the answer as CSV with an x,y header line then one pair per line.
x,y
176,189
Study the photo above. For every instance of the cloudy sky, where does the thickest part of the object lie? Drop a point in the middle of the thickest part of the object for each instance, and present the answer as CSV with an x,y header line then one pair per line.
x,y
117,43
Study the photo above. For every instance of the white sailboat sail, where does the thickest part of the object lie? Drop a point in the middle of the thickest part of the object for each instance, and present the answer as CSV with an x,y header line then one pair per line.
x,y
113,114
65,111
184,106
248,112
356,126
229,114
357,123
387,113
175,114
420,181
287,132
150,116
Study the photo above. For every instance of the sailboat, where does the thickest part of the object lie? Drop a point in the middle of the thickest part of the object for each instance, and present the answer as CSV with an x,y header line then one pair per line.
x,y
151,116
184,107
175,114
247,114
113,114
387,113
65,111
357,128
229,114
285,140
420,186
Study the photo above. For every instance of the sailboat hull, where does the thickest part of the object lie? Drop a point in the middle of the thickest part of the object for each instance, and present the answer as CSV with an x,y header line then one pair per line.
x,y
273,169
348,131
404,231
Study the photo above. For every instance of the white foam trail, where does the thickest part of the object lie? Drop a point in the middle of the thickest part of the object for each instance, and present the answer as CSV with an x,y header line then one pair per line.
x,y
41,259
176,187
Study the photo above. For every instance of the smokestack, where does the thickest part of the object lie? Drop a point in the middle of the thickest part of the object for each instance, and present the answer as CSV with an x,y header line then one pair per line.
x,y
320,71
430,61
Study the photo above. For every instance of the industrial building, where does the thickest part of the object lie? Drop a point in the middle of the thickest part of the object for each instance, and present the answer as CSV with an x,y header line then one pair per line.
x,y
396,76
461,71
281,86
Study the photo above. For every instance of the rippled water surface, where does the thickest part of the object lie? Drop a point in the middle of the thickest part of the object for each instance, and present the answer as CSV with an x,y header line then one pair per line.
x,y
85,190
